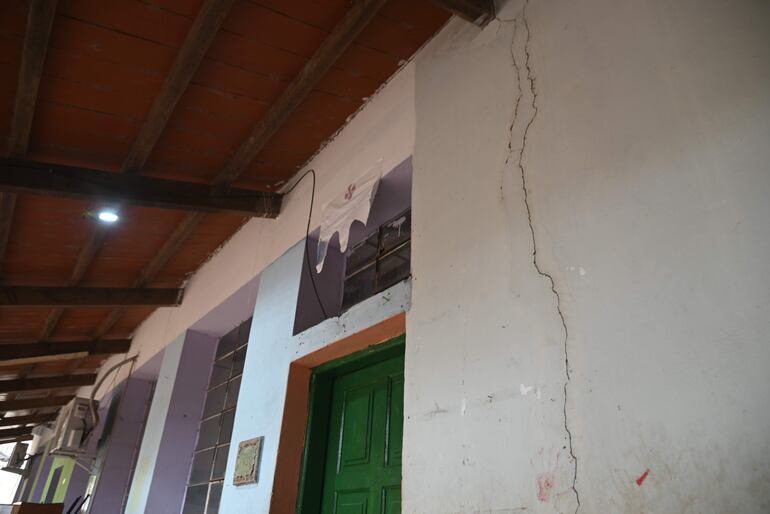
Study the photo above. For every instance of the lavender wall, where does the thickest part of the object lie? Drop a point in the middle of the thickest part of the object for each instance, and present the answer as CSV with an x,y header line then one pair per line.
x,y
394,195
180,430
118,454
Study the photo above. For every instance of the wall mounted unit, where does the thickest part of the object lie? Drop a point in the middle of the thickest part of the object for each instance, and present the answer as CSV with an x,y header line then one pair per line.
x,y
17,459
72,425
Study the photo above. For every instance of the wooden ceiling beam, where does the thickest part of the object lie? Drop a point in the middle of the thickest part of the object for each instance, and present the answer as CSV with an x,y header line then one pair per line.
x,y
26,353
34,403
202,32
87,296
39,22
343,34
478,12
18,439
9,433
34,419
199,38
123,188
7,206
34,384
353,22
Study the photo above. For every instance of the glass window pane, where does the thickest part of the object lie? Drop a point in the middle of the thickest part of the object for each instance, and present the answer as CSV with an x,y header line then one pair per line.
x,y
214,401
201,467
227,426
195,499
207,436
358,287
243,332
227,343
396,231
238,361
214,496
220,463
394,268
232,392
221,371
361,254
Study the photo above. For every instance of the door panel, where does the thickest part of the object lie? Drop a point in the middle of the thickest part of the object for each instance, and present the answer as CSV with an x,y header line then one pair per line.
x,y
363,457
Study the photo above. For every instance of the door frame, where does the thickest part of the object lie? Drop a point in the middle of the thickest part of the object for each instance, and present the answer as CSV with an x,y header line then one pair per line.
x,y
316,437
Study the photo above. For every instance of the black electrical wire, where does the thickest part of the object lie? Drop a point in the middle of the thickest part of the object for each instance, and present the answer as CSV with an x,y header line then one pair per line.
x,y
307,237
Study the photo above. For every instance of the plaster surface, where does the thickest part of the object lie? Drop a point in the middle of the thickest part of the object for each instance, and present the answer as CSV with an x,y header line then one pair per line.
x,y
638,132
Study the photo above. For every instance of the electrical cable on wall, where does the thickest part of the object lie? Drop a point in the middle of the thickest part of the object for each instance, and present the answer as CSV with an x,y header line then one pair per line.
x,y
310,270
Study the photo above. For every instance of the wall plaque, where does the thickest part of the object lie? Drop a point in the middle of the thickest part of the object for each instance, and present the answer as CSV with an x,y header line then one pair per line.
x,y
247,461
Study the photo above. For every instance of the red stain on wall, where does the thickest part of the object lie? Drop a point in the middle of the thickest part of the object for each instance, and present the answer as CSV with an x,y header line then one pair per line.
x,y
641,479
544,486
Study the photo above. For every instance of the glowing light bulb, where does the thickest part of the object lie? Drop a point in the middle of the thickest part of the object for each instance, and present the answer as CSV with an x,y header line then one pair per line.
x,y
108,216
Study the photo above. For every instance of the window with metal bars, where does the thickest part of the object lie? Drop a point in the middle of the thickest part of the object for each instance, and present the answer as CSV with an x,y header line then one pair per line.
x,y
379,261
207,473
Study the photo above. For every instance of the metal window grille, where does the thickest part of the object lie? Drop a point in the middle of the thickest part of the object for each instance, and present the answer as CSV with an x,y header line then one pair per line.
x,y
207,473
379,261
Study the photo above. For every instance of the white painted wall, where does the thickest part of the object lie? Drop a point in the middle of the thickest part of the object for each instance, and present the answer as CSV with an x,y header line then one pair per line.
x,y
153,431
646,167
384,131
272,349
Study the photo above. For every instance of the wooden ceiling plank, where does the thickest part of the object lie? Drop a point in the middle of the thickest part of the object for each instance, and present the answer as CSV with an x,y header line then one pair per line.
x,y
34,419
30,361
39,22
9,433
343,34
7,206
34,403
351,25
200,36
87,296
18,439
479,12
17,351
122,188
37,383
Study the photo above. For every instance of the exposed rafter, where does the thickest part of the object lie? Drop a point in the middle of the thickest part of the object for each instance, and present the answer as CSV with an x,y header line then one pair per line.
x,y
208,21
7,206
12,434
68,181
479,12
88,296
189,57
26,353
18,439
34,403
33,419
343,34
39,22
58,382
351,25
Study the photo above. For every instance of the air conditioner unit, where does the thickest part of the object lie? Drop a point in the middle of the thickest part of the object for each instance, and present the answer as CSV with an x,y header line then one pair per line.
x,y
41,434
16,460
72,426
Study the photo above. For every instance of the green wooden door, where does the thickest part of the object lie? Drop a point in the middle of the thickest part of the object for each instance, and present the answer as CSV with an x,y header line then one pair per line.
x,y
362,472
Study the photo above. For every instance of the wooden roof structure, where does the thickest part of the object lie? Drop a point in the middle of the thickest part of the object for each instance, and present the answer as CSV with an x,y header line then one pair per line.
x,y
185,117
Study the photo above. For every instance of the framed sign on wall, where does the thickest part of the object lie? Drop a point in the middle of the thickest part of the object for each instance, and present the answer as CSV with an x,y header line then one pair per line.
x,y
247,461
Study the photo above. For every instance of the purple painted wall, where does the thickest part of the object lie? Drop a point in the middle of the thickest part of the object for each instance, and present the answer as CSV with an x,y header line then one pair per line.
x,y
37,493
180,431
120,449
394,195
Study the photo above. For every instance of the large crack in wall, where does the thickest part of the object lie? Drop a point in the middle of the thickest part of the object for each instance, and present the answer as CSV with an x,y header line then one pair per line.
x,y
530,78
